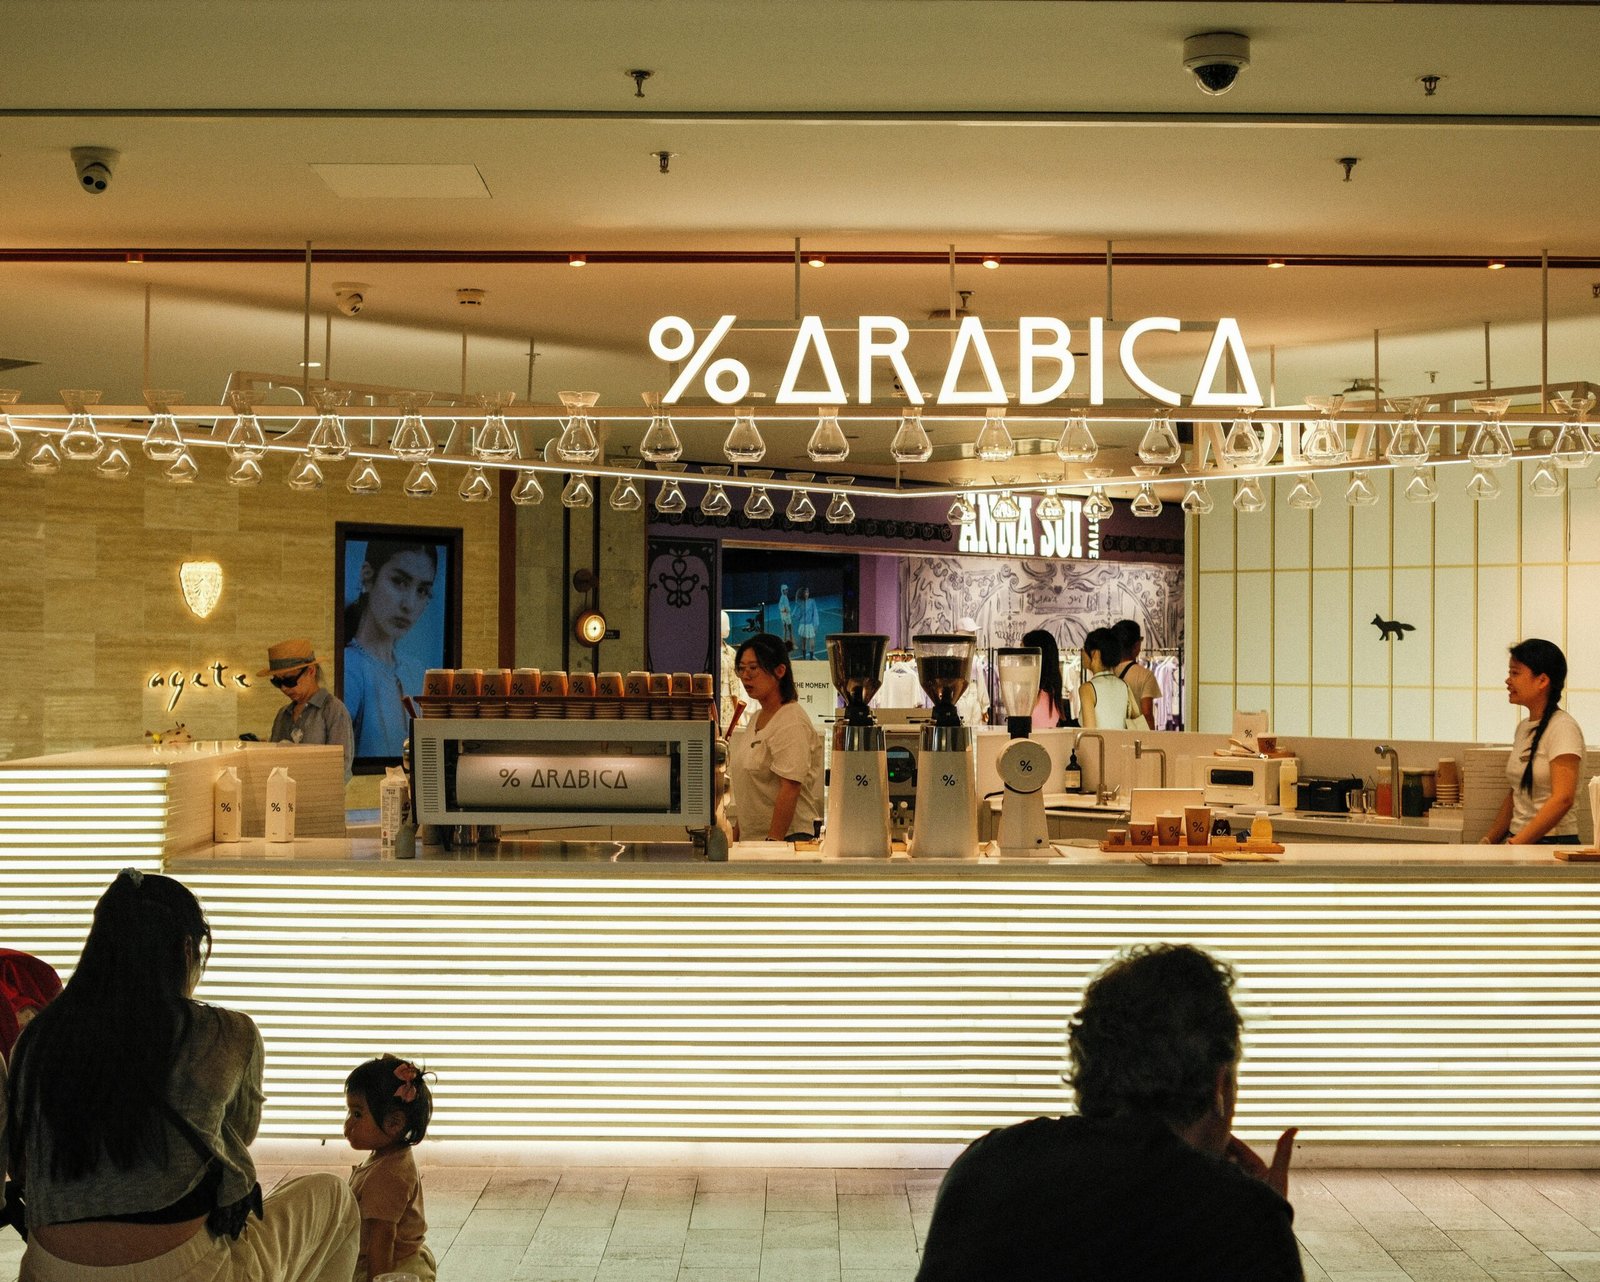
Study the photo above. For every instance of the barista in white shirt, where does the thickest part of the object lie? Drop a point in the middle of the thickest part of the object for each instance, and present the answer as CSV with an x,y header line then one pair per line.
x,y
776,765
1546,755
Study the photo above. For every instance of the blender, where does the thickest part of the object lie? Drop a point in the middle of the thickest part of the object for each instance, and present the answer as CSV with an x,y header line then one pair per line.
x,y
1024,765
947,793
858,778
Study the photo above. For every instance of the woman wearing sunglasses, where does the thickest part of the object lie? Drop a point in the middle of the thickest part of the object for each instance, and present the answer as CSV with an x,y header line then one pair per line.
x,y
314,715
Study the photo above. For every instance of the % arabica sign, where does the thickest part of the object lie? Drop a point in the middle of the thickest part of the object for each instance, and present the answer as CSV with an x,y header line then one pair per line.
x,y
1046,365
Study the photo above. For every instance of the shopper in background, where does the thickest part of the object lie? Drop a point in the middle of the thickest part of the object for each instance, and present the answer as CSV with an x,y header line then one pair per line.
x,y
1051,709
27,985
776,767
1147,1181
1546,754
1104,699
1146,689
314,715
133,1110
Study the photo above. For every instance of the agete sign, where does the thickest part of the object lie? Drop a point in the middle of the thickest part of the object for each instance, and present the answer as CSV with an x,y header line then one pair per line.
x,y
1043,353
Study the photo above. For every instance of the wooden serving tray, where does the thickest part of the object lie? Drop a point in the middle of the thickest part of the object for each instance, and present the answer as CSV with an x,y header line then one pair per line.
x,y
1220,847
1576,854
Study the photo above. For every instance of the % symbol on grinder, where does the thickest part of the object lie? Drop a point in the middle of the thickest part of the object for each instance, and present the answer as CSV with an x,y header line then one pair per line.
x,y
508,779
949,781
672,339
1025,766
861,781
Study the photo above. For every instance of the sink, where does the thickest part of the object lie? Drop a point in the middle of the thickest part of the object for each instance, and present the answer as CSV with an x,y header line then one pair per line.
x,y
1081,801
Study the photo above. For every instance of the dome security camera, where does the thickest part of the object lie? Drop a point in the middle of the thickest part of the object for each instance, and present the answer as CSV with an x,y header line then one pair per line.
x,y
1216,58
94,166
351,296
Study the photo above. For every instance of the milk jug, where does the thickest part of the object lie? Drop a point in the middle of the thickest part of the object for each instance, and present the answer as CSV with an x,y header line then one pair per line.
x,y
280,805
226,795
394,795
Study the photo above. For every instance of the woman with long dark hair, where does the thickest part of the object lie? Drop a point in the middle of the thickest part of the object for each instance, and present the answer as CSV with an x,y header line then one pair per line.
x,y
1051,709
1546,754
133,1107
776,766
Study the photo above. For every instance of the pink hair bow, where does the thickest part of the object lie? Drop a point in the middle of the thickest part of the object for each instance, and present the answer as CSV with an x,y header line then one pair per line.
x,y
406,1092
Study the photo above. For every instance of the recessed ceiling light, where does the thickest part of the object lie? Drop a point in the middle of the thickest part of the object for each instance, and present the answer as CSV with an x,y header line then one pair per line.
x,y
1495,264
816,260
991,262
310,364
577,260
1275,262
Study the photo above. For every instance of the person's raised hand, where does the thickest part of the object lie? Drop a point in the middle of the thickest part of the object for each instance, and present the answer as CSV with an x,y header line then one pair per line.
x,y
1275,1176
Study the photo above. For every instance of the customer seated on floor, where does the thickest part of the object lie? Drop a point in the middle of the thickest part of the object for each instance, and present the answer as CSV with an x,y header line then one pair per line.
x,y
1147,1181
132,1109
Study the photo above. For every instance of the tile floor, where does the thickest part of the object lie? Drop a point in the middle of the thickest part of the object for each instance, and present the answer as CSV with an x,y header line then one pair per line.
x,y
734,1225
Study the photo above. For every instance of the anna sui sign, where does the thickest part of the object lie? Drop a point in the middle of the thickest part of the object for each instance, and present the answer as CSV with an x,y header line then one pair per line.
x,y
1071,536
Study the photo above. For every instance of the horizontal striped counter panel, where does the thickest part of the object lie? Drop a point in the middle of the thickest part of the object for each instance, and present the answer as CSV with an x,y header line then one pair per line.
x,y
884,1008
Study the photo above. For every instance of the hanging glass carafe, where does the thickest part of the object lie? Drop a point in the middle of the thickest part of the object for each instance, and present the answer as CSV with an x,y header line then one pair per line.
x,y
1324,441
10,442
1548,481
81,442
1159,444
328,441
495,442
1242,447
994,443
245,439
911,443
182,470
1491,442
527,492
800,509
827,443
1483,485
1409,444
1248,497
1077,443
412,440
660,443
45,460
625,496
1421,487
1572,447
1360,491
1097,507
114,464
163,441
304,474
1145,502
420,482
961,511
1197,501
245,471
1305,495
476,486
743,444
364,479
577,442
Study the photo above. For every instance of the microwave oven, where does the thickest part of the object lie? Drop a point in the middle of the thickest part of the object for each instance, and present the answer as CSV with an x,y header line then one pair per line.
x,y
1240,781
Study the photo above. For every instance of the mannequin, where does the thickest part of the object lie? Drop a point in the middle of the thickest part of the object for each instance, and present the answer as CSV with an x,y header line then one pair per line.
x,y
729,689
973,705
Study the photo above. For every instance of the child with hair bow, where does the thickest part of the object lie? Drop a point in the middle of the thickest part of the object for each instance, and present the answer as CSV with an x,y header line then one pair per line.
x,y
388,1106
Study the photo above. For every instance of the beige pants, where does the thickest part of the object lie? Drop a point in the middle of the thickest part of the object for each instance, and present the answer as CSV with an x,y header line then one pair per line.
x,y
421,1266
311,1232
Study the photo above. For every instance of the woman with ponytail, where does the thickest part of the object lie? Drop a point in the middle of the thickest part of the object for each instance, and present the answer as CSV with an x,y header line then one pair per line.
x,y
1546,754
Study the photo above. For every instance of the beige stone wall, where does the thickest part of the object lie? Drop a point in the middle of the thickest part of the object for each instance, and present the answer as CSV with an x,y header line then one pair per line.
x,y
546,605
90,604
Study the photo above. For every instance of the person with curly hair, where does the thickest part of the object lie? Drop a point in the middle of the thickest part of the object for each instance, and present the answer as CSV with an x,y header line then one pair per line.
x,y
1147,1180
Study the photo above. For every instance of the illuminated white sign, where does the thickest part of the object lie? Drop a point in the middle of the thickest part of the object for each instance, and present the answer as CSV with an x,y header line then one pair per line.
x,y
178,681
1043,346
1062,539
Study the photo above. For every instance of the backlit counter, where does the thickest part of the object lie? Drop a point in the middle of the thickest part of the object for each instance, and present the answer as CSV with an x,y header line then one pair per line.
x,y
1395,994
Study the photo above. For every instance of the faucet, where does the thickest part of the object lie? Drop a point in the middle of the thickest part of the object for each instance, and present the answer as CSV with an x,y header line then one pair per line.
x,y
1102,793
1384,750
1140,750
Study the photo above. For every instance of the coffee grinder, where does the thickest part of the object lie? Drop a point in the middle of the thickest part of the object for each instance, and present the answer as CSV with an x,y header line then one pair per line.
x,y
946,824
858,780
1024,765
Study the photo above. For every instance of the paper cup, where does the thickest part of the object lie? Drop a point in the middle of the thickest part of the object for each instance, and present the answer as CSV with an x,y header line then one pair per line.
x,y
1141,834
1197,825
1169,830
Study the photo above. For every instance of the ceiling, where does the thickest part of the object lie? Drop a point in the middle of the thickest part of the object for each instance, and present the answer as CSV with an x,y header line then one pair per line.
x,y
854,125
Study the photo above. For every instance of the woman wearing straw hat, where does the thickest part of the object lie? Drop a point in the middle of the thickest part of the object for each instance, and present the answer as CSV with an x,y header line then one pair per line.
x,y
314,715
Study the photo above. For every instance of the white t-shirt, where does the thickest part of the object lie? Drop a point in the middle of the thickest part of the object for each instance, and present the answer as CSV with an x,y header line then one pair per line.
x,y
787,747
1562,738
1142,682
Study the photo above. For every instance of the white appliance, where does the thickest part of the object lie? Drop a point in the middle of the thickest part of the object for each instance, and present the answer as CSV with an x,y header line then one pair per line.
x,y
1240,781
857,825
1025,767
946,815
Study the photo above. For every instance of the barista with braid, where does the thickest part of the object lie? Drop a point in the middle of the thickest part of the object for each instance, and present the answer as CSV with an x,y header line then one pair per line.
x,y
1546,754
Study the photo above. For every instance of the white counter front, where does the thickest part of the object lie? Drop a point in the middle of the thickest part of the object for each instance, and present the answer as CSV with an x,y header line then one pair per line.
x,y
1395,994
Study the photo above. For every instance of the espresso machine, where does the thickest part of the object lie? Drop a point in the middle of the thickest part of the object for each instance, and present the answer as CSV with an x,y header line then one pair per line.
x,y
858,780
1024,765
946,824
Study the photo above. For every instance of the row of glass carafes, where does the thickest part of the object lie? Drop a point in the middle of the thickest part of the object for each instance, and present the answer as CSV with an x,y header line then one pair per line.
x,y
531,693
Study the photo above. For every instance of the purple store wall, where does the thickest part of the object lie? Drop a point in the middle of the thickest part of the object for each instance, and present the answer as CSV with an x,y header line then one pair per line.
x,y
885,532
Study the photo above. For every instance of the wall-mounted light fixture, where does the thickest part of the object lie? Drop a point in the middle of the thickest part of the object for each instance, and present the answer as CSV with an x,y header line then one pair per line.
x,y
202,586
589,627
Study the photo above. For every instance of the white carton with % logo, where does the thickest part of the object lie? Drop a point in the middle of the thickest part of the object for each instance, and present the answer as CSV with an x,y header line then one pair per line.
x,y
227,799
279,825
